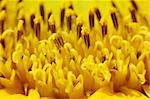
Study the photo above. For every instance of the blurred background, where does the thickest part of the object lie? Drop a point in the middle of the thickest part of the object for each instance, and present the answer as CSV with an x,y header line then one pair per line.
x,y
81,7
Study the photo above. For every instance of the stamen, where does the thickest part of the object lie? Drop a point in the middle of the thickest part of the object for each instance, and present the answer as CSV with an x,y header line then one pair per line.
x,y
86,36
2,76
19,1
24,22
117,10
146,21
20,29
49,15
87,40
59,42
4,8
134,4
62,17
69,19
30,68
52,61
138,54
13,66
3,5
98,14
91,19
113,4
3,59
79,28
51,25
2,41
52,28
115,67
133,15
32,17
20,33
42,12
71,6
2,26
37,28
104,29
103,58
115,21
2,21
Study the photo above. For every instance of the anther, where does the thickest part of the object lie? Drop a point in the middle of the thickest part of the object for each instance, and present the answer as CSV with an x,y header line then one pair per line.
x,y
20,29
32,17
104,29
134,4
71,6
3,59
52,61
115,67
19,1
2,21
86,36
138,54
2,76
42,12
98,14
79,29
133,15
49,15
113,4
59,42
2,41
69,19
4,8
62,13
37,28
2,26
115,21
51,25
103,58
91,19
13,66
69,22
3,5
19,35
87,40
117,10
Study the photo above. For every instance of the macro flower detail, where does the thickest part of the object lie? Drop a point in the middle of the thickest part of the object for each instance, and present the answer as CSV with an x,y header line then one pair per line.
x,y
74,49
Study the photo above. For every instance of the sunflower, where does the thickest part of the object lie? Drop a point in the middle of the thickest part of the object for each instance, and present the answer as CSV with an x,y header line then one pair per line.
x,y
74,49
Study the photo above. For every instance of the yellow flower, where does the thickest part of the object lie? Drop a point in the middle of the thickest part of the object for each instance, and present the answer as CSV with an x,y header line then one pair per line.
x,y
83,49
